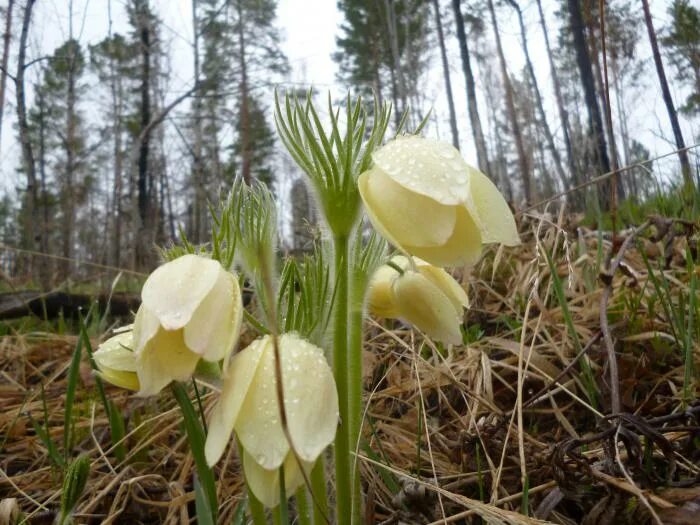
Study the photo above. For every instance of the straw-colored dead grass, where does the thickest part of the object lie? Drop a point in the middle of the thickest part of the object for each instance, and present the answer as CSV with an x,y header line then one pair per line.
x,y
505,429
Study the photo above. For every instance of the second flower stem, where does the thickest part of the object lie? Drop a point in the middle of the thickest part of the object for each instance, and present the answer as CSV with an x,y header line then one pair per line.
x,y
343,472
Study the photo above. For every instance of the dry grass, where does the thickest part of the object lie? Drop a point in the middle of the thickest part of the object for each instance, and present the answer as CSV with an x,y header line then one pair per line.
x,y
506,429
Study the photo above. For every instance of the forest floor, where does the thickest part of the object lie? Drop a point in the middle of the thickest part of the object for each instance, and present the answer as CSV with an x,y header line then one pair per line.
x,y
522,424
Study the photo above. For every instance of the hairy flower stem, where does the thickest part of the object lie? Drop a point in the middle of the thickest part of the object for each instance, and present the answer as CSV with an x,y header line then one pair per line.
x,y
343,473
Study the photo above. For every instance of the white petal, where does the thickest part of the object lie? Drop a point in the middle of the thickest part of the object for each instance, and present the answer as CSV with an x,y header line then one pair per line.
x,y
265,484
449,286
215,324
239,376
310,396
258,425
491,211
164,359
403,216
146,326
426,166
424,305
175,290
463,247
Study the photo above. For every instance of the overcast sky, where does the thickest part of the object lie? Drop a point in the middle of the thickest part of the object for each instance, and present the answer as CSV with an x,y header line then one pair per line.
x,y
309,28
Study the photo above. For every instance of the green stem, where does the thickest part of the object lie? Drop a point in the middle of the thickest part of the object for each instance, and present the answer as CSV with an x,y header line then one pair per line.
x,y
303,511
257,511
343,473
318,488
281,513
196,439
355,390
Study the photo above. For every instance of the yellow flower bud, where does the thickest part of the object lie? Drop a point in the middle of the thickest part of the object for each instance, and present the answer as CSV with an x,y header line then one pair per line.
x,y
425,199
248,405
191,309
427,297
116,360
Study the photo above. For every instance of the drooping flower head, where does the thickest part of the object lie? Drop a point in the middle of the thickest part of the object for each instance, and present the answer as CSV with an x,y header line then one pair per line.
x,y
191,309
426,200
116,360
427,297
248,405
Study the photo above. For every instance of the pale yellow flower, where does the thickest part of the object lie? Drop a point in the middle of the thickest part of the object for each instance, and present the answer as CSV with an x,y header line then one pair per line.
x,y
426,200
116,360
248,406
426,297
191,309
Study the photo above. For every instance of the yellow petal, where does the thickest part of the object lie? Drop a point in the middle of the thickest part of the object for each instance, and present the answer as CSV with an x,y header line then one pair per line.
x,y
265,484
128,380
310,396
239,376
380,296
116,353
403,216
424,305
463,247
164,359
427,166
491,211
215,324
258,425
175,290
146,326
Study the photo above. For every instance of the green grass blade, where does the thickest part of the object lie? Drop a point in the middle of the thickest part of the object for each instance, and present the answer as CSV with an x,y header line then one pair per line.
x,y
73,375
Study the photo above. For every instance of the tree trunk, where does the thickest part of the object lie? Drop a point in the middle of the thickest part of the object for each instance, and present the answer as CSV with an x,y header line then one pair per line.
x,y
561,107
5,56
583,60
398,83
538,97
523,163
199,206
44,199
31,210
670,107
477,131
446,73
245,110
69,204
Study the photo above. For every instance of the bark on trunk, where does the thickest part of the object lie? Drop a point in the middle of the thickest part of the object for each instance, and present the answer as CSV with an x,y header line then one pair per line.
x,y
477,131
5,57
446,73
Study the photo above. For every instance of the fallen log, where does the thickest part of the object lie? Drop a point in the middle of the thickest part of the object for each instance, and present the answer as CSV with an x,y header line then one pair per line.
x,y
14,305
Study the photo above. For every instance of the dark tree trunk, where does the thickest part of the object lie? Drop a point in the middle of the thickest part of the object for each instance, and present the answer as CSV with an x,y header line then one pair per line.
x,y
670,107
583,60
477,131
198,229
523,162
5,56
245,110
446,73
143,174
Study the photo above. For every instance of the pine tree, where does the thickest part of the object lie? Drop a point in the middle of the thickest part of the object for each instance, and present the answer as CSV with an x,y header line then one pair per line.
x,y
682,42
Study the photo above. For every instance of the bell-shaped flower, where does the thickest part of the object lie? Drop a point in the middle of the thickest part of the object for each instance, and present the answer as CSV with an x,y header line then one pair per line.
x,y
191,309
249,406
116,360
426,200
423,295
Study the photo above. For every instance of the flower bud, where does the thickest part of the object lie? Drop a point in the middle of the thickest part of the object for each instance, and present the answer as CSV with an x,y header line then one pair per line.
x,y
427,297
191,309
116,360
425,199
249,405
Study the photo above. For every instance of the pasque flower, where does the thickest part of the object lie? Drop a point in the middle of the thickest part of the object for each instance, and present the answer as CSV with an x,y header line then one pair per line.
x,y
249,405
116,360
425,199
423,295
191,309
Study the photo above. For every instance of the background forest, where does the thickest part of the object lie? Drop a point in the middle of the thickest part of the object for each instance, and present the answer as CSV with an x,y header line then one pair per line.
x,y
110,145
